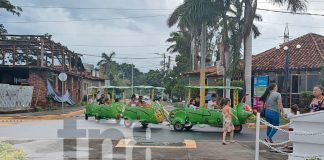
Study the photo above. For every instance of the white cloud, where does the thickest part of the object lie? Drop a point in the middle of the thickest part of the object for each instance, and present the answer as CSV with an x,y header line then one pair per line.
x,y
137,31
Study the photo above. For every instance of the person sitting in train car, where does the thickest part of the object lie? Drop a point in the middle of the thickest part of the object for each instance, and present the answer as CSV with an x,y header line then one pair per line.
x,y
192,103
107,101
133,101
101,99
140,101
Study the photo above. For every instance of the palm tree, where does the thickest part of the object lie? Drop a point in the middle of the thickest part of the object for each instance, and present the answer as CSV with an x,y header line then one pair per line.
x,y
107,62
6,4
191,15
249,14
181,42
235,26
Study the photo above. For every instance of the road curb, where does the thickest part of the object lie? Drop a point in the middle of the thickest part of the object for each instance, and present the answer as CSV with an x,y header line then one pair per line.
x,y
262,126
44,117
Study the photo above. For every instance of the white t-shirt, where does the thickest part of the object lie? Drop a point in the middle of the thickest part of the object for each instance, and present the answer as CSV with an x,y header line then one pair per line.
x,y
193,106
210,105
289,115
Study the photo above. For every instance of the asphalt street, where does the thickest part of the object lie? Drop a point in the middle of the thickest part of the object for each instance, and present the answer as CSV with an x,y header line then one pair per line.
x,y
50,129
54,139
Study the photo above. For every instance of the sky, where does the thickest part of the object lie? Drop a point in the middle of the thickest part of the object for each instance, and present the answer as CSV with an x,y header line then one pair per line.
x,y
137,28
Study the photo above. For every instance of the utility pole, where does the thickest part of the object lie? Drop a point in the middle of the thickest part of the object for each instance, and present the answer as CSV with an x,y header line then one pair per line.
x,y
164,63
202,65
132,79
169,63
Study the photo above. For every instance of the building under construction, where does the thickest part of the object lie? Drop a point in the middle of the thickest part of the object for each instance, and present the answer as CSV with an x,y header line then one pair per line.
x,y
35,60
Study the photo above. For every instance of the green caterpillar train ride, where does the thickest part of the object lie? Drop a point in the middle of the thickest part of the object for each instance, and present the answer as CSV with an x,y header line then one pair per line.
x,y
152,111
146,111
186,118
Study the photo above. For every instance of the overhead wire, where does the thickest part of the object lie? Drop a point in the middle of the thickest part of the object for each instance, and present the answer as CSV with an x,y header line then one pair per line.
x,y
117,46
84,20
147,16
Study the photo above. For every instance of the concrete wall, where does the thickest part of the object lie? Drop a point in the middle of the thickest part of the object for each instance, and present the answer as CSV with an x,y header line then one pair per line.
x,y
307,145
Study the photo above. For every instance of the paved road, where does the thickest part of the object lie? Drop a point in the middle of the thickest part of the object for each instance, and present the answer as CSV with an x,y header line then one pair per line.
x,y
158,133
43,140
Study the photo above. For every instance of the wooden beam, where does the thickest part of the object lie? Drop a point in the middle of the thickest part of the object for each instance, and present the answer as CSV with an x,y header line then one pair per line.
x,y
63,59
14,54
52,46
27,55
70,67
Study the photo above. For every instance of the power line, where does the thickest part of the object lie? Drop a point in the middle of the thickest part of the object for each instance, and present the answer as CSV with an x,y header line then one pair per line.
x,y
117,46
136,17
112,8
278,11
100,8
91,55
308,1
86,20
293,25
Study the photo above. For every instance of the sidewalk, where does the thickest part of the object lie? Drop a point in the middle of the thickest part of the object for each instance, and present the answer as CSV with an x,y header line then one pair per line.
x,y
44,115
209,150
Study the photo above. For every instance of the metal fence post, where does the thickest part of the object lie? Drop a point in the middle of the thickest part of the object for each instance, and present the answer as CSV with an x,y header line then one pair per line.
x,y
257,137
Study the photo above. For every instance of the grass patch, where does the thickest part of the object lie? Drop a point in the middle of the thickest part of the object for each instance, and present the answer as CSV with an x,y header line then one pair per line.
x,y
9,152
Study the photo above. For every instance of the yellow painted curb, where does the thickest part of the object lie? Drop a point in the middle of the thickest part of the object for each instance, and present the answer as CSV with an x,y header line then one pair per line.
x,y
189,144
262,126
253,125
45,117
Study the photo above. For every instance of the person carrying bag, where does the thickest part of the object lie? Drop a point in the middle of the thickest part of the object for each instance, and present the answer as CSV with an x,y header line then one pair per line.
x,y
272,109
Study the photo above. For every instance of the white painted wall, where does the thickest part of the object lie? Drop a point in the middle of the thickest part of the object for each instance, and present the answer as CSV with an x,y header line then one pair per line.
x,y
307,145
15,97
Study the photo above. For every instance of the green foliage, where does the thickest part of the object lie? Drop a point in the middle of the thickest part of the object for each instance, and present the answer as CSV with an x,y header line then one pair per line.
x,y
3,29
237,83
8,152
314,158
234,83
306,99
6,4
322,76
178,90
153,78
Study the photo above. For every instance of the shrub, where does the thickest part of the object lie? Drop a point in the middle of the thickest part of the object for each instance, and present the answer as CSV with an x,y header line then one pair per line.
x,y
234,83
314,158
8,152
306,99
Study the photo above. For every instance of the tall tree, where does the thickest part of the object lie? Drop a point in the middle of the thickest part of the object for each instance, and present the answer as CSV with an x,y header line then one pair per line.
x,y
249,14
7,5
108,63
181,43
190,15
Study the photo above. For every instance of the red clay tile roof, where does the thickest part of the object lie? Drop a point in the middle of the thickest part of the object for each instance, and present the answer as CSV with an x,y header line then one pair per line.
x,y
309,56
210,69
